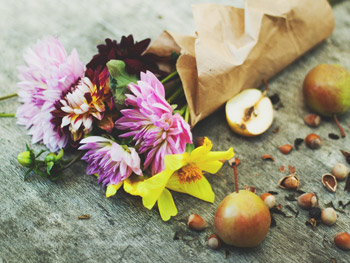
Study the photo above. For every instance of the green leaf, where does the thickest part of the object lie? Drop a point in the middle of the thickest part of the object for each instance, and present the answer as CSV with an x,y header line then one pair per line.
x,y
189,147
49,167
117,71
119,78
40,173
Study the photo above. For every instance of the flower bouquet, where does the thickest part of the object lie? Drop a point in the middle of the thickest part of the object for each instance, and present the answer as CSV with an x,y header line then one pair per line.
x,y
129,114
131,130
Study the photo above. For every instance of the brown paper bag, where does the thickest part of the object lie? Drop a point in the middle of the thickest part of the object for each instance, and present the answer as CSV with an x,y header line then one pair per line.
x,y
235,48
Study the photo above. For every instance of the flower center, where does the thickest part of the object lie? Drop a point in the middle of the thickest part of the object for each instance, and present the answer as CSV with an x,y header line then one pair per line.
x,y
189,173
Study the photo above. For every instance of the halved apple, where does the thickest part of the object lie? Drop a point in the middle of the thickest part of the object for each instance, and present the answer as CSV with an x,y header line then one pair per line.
x,y
249,113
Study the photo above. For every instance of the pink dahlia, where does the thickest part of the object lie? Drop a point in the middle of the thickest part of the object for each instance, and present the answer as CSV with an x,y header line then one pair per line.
x,y
151,123
112,162
48,73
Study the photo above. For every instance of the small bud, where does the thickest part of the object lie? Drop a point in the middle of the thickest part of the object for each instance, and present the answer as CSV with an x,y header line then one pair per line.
x,y
342,240
25,159
214,242
328,216
196,222
52,157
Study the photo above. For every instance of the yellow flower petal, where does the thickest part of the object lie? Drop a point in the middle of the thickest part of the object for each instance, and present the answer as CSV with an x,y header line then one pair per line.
x,y
210,162
211,167
200,188
174,162
132,186
199,152
112,189
166,205
153,187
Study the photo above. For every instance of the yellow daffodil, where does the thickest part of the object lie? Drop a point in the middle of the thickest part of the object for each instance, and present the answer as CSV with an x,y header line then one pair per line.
x,y
183,173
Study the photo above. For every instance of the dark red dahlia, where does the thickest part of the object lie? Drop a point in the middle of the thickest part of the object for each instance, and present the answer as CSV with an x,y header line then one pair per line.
x,y
130,52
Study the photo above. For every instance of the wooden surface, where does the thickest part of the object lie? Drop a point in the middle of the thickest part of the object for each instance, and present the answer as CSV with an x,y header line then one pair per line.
x,y
38,218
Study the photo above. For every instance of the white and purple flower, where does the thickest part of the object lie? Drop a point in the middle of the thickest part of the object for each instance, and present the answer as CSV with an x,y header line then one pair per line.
x,y
48,73
113,163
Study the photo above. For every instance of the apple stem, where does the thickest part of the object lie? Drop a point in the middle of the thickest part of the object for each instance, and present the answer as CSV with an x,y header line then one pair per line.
x,y
342,133
266,85
236,177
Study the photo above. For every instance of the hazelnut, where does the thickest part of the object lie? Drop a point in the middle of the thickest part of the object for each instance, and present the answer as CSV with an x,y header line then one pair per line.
x,y
328,216
285,148
269,200
330,182
289,182
340,171
307,200
214,242
313,141
196,222
342,240
312,120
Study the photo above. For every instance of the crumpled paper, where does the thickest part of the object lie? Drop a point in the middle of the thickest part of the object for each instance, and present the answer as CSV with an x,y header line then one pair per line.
x,y
236,48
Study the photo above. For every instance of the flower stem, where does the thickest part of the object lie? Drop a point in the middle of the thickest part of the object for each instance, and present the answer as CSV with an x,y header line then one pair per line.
x,y
182,110
175,95
72,161
8,96
7,115
169,76
187,114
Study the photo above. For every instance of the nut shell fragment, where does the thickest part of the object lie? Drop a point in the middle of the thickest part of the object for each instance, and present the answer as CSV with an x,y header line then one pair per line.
x,y
330,182
285,148
268,157
250,188
289,182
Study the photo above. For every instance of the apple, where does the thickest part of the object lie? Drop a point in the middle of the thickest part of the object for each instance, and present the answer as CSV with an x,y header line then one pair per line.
x,y
249,113
326,90
242,219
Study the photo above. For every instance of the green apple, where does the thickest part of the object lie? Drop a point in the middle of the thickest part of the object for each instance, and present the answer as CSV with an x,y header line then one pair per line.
x,y
242,219
326,89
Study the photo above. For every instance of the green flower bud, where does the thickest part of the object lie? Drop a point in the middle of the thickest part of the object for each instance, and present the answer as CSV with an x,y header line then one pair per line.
x,y
25,159
51,157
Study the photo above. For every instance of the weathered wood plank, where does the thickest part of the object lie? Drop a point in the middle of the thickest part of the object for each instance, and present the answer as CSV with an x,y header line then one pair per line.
x,y
38,218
